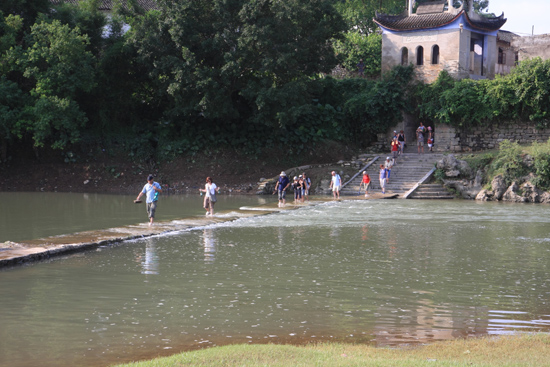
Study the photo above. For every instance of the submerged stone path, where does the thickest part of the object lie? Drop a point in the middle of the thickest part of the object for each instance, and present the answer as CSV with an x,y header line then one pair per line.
x,y
18,253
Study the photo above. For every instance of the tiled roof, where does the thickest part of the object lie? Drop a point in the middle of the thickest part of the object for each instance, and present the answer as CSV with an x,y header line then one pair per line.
x,y
403,22
107,5
506,36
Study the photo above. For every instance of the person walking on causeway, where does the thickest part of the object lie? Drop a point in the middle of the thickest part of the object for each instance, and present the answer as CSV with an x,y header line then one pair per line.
x,y
365,183
151,190
335,185
282,184
383,178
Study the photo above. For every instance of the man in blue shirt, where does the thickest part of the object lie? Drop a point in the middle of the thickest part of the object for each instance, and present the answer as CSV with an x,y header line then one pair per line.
x,y
281,186
151,191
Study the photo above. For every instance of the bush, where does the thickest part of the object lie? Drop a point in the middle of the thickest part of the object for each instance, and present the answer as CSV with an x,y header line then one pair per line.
x,y
541,158
509,162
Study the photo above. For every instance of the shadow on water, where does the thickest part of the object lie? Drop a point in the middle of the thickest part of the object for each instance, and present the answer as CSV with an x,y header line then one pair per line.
x,y
382,272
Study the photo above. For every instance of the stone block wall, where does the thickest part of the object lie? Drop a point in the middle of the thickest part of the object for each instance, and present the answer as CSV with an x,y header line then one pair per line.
x,y
533,46
490,137
449,139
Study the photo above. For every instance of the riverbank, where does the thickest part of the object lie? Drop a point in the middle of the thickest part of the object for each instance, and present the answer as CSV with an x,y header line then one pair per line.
x,y
513,173
517,350
117,173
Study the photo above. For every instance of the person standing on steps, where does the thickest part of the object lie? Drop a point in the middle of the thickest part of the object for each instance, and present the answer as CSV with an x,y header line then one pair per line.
x,y
430,139
151,190
395,147
282,184
336,185
420,137
402,141
388,166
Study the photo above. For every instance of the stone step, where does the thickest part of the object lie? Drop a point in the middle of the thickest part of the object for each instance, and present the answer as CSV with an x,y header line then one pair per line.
x,y
408,170
426,197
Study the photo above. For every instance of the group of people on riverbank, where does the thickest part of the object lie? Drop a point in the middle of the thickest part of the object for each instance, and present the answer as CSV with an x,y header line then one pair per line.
x,y
424,135
421,133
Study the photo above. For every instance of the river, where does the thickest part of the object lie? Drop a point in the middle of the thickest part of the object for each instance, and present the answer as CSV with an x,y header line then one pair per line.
x,y
383,272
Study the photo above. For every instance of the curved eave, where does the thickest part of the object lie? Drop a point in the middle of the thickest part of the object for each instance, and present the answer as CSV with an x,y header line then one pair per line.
x,y
498,24
432,26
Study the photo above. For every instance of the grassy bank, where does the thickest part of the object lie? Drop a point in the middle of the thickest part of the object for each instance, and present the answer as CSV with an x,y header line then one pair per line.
x,y
519,350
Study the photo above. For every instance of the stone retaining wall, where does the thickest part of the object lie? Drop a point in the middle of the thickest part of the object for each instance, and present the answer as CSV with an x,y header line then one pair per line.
x,y
450,139
482,138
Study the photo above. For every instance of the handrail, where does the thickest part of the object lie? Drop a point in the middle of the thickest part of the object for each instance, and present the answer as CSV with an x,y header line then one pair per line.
x,y
361,170
406,196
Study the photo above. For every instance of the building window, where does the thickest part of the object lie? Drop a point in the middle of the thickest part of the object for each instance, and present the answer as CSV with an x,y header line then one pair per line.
x,y
404,56
435,55
516,58
420,55
501,56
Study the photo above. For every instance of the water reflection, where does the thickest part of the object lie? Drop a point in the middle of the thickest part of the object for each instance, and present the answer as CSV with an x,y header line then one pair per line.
x,y
209,243
316,273
150,260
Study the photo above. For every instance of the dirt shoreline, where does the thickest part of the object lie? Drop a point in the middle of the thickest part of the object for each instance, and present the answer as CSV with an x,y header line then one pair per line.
x,y
118,174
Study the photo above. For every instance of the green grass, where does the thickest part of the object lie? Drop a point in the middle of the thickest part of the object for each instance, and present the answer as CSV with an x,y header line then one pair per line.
x,y
519,350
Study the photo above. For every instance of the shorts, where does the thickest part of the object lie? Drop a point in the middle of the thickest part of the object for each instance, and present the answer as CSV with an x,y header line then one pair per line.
x,y
420,143
336,188
151,208
367,185
430,145
208,204
382,183
298,194
282,194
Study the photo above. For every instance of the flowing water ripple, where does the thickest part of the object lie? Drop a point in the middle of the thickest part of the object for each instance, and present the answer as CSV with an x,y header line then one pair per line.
x,y
385,272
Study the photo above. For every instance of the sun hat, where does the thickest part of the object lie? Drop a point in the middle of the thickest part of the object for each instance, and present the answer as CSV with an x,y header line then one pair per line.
x,y
295,178
283,173
364,172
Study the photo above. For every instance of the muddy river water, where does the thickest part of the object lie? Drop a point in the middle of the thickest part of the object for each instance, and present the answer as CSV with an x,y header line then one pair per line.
x,y
384,272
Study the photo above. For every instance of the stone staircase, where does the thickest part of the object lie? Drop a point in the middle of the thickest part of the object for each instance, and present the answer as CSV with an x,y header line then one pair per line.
x,y
409,169
431,191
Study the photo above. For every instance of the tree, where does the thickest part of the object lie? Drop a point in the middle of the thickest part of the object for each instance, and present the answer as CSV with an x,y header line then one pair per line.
x,y
28,10
359,14
356,46
57,68
213,58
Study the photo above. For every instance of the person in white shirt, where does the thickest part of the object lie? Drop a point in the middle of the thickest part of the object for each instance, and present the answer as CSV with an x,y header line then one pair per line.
x,y
210,190
151,191
336,185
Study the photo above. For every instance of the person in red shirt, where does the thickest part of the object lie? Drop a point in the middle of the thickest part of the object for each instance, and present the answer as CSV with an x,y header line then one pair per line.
x,y
394,147
365,183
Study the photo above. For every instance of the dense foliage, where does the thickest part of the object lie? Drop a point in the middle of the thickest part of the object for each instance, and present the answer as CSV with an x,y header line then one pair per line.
x,y
194,74
524,94
239,73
